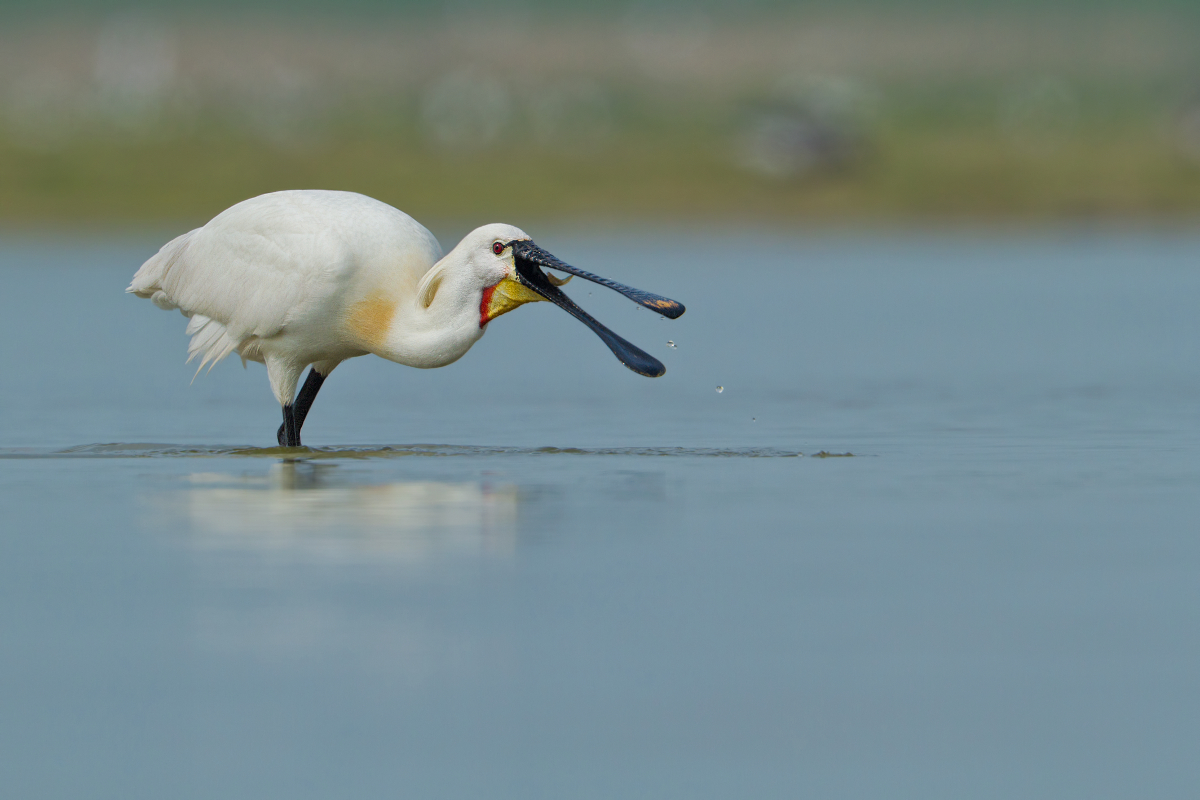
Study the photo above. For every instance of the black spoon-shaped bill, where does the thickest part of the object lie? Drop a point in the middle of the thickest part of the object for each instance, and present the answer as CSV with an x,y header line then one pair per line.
x,y
526,250
627,353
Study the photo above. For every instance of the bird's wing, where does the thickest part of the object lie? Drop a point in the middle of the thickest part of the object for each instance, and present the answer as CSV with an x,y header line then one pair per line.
x,y
243,275
279,259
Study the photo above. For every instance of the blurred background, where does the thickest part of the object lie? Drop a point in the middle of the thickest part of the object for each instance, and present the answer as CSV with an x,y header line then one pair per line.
x,y
534,574
752,111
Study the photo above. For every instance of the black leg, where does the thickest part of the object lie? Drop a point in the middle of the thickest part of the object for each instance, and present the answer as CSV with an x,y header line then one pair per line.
x,y
289,432
296,412
308,393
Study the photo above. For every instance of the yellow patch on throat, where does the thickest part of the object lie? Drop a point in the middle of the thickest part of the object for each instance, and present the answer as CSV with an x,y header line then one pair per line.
x,y
370,319
504,297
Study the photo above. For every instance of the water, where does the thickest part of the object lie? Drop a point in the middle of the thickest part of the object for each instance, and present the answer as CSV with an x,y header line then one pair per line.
x,y
536,574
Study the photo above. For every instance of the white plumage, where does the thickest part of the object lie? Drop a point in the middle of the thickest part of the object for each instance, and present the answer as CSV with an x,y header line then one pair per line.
x,y
301,278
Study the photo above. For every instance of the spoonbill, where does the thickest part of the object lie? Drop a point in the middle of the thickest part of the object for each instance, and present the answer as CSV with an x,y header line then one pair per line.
x,y
311,278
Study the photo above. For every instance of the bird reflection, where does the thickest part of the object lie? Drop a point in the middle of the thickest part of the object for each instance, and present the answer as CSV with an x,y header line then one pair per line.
x,y
318,511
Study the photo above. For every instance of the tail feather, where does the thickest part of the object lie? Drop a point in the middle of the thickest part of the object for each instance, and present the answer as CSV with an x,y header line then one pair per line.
x,y
148,280
210,340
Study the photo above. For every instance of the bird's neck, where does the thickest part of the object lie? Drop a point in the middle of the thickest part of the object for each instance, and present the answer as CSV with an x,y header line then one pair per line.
x,y
438,334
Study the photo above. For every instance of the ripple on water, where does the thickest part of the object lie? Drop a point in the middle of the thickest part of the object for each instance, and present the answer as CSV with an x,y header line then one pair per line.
x,y
153,450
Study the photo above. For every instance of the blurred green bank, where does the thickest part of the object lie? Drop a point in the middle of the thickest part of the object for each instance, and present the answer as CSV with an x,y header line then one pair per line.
x,y
650,112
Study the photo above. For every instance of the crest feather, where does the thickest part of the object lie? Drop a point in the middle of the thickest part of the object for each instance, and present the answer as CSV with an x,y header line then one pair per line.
x,y
430,281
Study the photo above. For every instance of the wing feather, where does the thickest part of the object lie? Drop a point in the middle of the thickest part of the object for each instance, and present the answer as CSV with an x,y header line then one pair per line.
x,y
275,259
248,270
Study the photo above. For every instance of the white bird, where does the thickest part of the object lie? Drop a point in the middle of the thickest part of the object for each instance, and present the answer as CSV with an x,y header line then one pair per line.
x,y
299,278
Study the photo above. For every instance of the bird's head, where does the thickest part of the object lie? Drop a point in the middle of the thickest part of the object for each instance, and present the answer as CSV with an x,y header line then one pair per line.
x,y
513,271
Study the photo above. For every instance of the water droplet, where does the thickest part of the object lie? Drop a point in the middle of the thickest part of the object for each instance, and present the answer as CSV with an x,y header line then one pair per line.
x,y
670,343
720,389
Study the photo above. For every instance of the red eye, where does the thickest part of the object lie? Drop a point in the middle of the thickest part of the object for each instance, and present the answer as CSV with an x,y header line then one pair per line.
x,y
497,248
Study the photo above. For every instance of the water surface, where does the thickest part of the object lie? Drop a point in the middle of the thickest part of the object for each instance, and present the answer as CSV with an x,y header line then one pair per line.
x,y
536,574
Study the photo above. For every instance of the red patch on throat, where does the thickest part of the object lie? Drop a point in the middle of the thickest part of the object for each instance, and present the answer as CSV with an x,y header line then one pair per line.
x,y
483,305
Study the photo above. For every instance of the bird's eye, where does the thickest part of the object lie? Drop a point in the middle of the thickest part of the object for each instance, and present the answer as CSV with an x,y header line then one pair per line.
x,y
497,248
